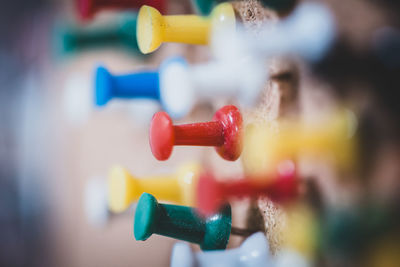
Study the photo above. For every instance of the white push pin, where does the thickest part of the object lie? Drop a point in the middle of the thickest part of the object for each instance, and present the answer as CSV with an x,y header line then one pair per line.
x,y
77,99
242,79
253,252
309,32
96,202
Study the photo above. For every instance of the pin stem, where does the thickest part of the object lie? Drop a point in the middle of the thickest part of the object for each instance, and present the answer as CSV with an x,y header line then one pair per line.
x,y
189,29
242,232
199,134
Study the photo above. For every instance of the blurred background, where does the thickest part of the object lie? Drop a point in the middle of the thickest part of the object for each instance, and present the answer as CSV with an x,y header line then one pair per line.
x,y
54,142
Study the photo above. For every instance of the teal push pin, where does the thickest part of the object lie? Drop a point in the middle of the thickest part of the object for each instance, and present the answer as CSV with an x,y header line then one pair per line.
x,y
183,223
120,31
204,7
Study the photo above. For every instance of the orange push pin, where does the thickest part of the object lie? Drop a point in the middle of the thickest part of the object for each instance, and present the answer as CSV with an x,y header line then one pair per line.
x,y
153,28
224,132
124,188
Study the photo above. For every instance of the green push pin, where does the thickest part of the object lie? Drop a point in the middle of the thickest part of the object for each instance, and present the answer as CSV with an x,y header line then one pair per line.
x,y
120,31
181,222
204,7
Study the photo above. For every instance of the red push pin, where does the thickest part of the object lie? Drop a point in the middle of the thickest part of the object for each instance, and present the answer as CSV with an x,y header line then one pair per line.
x,y
87,8
224,132
212,194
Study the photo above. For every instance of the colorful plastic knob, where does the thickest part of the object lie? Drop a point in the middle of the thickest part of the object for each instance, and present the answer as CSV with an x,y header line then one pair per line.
x,y
87,8
154,28
205,6
212,194
182,223
121,31
179,188
253,252
224,132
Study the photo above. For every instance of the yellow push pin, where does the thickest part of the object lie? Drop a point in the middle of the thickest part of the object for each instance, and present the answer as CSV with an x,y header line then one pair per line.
x,y
179,188
333,139
154,28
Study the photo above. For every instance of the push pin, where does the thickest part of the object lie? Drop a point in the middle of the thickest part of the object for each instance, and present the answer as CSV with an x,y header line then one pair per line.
x,y
253,252
224,132
205,6
121,31
332,139
124,189
182,222
95,202
154,28
177,86
88,8
212,194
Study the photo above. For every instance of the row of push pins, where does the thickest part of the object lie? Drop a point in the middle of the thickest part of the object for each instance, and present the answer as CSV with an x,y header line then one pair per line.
x,y
177,86
311,44
88,8
191,186
203,215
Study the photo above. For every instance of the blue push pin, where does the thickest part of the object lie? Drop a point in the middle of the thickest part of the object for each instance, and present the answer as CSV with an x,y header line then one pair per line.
x,y
145,85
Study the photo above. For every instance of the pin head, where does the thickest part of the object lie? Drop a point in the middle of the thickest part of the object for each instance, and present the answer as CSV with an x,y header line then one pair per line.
x,y
208,194
176,88
204,7
161,136
67,42
232,122
103,86
85,8
119,187
149,33
145,217
218,229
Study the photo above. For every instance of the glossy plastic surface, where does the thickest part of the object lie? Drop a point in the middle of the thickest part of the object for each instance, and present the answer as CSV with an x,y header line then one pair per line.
x,y
179,188
153,28
143,84
182,223
224,132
